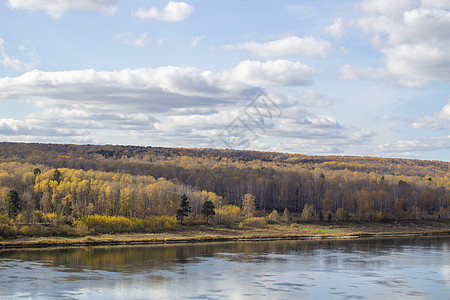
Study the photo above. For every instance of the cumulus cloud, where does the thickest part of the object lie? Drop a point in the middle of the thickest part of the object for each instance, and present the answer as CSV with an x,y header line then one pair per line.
x,y
172,12
18,128
292,45
387,7
336,29
76,123
145,103
444,4
293,130
412,37
56,8
407,147
271,73
435,121
168,86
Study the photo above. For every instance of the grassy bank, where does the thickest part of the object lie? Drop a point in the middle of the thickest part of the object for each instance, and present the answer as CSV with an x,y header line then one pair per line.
x,y
203,233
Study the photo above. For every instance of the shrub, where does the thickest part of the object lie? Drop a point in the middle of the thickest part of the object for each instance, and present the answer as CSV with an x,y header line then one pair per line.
x,y
34,230
377,216
227,214
4,219
49,218
286,217
7,230
274,217
81,229
105,224
308,213
255,222
342,215
62,230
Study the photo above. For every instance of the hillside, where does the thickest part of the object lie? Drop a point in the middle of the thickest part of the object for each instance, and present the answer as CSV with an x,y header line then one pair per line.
x,y
75,181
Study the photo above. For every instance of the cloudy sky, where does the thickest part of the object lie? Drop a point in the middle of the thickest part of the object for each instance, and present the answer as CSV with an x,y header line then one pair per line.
x,y
314,77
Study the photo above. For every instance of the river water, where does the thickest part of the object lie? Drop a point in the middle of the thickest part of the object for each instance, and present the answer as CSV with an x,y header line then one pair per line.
x,y
388,268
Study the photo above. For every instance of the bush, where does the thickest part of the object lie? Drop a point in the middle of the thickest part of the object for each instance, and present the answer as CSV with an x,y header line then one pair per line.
x,y
274,217
4,219
227,215
7,230
81,229
34,230
62,230
308,213
342,215
105,224
255,222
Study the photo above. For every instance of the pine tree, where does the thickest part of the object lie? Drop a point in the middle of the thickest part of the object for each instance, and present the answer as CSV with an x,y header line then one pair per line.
x,y
13,203
184,209
208,209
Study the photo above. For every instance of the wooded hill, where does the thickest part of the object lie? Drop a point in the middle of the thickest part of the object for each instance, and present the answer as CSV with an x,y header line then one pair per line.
x,y
135,181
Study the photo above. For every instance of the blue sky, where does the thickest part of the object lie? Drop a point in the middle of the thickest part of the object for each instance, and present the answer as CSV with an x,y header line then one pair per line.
x,y
364,77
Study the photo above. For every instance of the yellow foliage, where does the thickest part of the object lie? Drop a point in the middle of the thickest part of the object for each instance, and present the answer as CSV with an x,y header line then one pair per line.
x,y
274,217
106,224
255,222
227,214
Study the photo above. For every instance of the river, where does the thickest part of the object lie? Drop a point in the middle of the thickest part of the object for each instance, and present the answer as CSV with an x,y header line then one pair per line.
x,y
388,268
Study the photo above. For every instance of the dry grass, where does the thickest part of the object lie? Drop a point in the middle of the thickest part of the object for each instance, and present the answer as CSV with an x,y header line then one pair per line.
x,y
218,233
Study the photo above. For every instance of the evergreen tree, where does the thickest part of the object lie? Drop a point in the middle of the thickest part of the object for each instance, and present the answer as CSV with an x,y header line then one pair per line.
x,y
184,209
208,209
13,203
37,172
57,175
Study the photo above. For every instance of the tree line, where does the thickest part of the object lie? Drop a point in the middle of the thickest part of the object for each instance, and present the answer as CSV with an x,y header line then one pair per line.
x,y
122,181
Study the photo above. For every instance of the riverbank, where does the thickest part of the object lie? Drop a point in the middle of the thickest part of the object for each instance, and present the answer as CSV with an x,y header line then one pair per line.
x,y
203,233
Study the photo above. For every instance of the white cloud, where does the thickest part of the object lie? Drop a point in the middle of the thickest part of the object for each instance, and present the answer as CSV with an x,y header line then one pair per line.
x,y
338,142
412,37
387,7
316,99
444,4
172,12
56,8
160,88
436,121
196,39
11,127
272,73
346,51
142,40
294,130
412,146
348,72
14,63
292,45
336,29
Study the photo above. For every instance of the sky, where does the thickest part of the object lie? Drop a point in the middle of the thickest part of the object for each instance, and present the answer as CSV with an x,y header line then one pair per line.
x,y
366,78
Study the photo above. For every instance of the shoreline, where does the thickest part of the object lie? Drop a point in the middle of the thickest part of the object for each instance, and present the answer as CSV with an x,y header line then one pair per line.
x,y
201,234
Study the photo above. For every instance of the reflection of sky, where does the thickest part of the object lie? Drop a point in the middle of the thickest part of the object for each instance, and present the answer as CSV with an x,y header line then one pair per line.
x,y
351,271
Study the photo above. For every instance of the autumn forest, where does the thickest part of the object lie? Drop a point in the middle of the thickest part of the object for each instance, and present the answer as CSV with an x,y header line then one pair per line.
x,y
86,188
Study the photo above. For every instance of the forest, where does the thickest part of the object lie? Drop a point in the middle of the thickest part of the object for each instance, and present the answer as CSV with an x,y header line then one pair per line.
x,y
133,188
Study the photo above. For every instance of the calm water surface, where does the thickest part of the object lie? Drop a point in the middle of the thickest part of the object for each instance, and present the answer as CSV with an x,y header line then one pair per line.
x,y
394,268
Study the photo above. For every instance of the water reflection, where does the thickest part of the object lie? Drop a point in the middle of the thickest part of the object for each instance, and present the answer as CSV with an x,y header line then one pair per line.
x,y
336,269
